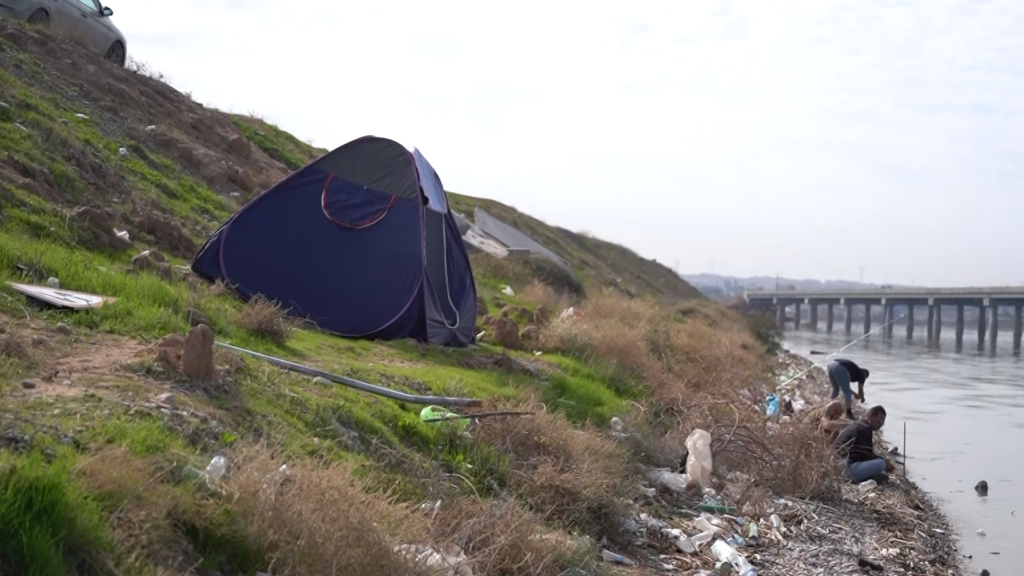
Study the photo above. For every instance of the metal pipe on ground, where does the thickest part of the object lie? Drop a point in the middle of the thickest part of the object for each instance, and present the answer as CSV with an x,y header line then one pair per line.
x,y
372,389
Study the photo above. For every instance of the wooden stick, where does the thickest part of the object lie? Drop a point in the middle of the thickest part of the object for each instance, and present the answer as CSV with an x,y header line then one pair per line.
x,y
904,448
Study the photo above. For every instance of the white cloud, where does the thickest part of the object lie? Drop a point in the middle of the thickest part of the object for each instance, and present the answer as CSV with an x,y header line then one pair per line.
x,y
809,136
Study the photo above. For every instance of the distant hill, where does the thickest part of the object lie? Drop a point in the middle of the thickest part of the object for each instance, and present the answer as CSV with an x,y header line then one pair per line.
x,y
721,285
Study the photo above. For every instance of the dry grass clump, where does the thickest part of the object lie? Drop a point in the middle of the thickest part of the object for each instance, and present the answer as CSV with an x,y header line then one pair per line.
x,y
310,520
576,478
676,360
267,319
318,520
502,538
15,347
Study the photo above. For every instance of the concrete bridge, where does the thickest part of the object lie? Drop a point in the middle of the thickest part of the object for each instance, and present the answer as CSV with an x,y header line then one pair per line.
x,y
987,301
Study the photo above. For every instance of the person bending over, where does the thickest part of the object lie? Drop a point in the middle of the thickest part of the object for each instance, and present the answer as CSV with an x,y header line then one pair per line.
x,y
858,442
841,372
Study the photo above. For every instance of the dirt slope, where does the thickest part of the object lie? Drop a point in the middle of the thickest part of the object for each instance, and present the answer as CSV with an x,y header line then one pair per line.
x,y
152,161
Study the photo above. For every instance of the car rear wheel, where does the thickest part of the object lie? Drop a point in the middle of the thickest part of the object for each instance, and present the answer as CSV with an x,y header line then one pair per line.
x,y
116,54
39,18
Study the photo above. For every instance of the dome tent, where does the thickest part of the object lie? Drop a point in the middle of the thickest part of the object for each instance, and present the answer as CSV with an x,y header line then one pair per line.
x,y
360,241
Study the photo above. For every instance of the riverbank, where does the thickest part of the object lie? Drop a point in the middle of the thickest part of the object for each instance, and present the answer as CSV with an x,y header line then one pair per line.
x,y
898,526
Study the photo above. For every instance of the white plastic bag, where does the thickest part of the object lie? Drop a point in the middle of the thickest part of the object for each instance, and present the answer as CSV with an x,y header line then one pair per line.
x,y
698,464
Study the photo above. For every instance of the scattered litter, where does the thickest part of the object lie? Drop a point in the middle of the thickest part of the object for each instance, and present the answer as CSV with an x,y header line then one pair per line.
x,y
122,151
981,532
215,470
439,414
570,312
866,486
454,563
609,556
20,126
508,291
666,479
53,282
698,464
235,194
150,128
981,488
64,298
81,116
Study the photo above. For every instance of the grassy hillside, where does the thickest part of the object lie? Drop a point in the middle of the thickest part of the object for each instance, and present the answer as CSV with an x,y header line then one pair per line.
x,y
102,435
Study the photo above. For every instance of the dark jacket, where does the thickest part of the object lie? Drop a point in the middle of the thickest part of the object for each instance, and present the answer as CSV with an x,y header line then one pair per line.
x,y
856,442
856,373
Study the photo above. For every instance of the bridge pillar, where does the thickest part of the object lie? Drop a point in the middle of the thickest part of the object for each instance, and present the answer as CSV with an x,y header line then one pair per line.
x,y
937,326
981,326
1018,326
848,319
993,325
910,321
959,326
867,318
814,315
887,319
829,317
930,327
796,316
780,314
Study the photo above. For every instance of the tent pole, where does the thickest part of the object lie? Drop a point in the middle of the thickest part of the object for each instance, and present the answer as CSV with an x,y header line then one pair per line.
x,y
387,392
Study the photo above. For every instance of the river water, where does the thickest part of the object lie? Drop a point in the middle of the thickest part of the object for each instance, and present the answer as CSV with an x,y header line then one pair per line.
x,y
964,414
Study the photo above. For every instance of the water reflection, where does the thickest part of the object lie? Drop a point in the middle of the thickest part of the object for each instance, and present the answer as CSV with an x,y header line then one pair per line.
x,y
964,412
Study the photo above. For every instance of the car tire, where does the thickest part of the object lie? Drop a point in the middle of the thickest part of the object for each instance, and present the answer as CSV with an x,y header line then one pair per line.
x,y
115,54
39,18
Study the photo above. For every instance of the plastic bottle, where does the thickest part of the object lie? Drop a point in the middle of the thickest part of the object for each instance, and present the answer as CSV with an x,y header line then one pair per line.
x,y
614,558
752,530
215,470
776,522
866,486
725,553
772,404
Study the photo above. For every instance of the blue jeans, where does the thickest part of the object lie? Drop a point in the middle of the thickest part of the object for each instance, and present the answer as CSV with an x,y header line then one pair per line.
x,y
861,471
840,378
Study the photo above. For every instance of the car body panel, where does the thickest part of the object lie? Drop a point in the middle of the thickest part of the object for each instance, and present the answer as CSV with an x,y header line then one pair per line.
x,y
84,19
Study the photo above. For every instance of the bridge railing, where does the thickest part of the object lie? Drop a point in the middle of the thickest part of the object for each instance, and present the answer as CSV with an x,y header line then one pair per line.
x,y
981,290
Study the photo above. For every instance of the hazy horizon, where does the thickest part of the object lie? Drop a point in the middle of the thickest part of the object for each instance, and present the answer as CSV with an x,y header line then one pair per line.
x,y
805,138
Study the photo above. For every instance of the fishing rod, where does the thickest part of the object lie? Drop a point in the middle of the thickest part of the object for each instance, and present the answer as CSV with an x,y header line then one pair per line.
x,y
823,360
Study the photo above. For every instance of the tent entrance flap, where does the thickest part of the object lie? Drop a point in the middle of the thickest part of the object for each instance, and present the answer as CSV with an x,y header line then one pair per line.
x,y
353,206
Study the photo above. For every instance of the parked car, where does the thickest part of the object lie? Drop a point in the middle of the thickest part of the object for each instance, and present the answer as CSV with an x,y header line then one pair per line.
x,y
88,20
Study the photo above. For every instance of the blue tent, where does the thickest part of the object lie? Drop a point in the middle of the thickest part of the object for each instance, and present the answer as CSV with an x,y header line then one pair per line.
x,y
360,241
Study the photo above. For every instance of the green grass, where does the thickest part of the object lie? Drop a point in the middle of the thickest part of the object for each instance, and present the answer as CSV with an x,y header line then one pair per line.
x,y
48,525
276,143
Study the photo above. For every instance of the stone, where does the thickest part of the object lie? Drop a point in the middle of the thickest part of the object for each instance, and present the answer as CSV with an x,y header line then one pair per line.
x,y
141,262
166,271
529,333
244,179
195,317
28,384
156,255
542,316
981,488
64,329
167,399
239,146
40,340
506,333
197,354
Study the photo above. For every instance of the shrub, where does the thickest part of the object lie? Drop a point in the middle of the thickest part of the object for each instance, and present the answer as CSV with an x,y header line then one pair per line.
x,y
266,318
576,478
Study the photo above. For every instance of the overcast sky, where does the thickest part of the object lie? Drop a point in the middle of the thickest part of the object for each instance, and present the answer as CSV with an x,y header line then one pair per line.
x,y
798,137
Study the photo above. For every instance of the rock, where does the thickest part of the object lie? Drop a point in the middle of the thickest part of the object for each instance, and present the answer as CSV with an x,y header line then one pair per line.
x,y
487,320
195,317
166,271
244,179
142,262
981,488
28,384
167,234
529,333
239,146
168,351
542,316
64,329
506,333
197,354
40,340
167,399
156,255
